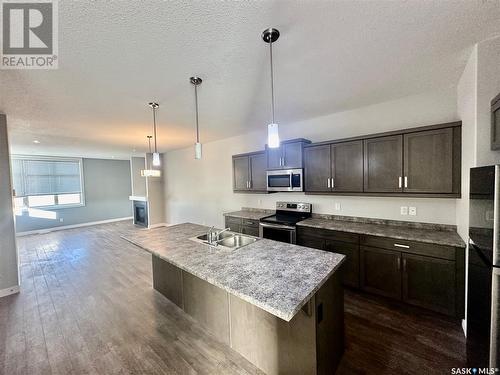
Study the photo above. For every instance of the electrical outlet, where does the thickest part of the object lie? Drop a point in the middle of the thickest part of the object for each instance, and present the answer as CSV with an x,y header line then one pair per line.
x,y
338,207
412,211
61,219
404,210
260,202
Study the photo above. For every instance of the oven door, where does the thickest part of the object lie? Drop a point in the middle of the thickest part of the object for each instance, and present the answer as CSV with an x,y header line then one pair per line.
x,y
285,180
277,232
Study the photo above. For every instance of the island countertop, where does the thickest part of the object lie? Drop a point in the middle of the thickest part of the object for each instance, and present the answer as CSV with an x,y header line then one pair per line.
x,y
277,277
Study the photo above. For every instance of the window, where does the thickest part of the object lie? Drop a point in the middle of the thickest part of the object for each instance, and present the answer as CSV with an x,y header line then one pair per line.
x,y
44,182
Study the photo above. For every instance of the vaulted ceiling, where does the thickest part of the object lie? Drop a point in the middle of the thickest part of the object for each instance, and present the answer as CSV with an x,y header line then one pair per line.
x,y
116,56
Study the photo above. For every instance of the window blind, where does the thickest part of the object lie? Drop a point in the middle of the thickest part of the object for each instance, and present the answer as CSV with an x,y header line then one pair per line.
x,y
43,176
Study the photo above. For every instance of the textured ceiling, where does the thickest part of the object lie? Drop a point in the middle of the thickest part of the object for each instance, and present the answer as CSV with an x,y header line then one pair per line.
x,y
115,56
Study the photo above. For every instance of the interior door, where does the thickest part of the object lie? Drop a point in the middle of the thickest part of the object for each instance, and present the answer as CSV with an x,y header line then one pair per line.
x,y
383,164
428,161
240,173
258,177
380,271
347,166
317,168
292,155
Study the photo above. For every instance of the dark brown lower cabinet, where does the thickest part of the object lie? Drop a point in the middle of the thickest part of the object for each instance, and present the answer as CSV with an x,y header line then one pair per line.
x,y
381,271
351,264
429,282
243,226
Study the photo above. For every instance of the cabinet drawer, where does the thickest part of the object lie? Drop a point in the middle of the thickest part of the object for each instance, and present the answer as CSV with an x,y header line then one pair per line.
x,y
250,223
310,241
412,247
329,234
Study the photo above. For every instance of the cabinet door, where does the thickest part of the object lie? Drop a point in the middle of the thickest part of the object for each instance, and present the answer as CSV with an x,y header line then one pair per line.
x,y
258,172
428,161
347,166
383,164
429,282
380,271
274,158
351,264
312,242
317,168
240,173
292,155
250,230
234,224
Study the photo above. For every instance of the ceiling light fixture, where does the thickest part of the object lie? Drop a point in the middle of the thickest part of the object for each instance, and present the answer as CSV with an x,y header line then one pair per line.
x,y
270,36
196,81
36,141
150,172
156,155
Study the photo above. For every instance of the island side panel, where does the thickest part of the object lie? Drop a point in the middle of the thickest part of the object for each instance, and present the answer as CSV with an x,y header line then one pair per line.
x,y
272,344
167,279
330,324
208,304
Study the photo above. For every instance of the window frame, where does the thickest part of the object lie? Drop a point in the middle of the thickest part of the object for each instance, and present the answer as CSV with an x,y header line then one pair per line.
x,y
55,206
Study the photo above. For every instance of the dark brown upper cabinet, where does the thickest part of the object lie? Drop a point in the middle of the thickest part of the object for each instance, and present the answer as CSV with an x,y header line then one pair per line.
x,y
334,168
249,172
383,164
495,123
428,162
288,156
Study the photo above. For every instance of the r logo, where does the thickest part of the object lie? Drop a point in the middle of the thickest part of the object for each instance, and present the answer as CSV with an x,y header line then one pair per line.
x,y
28,28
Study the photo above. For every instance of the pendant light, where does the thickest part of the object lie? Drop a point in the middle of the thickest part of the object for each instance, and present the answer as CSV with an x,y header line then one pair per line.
x,y
196,81
156,155
149,172
271,35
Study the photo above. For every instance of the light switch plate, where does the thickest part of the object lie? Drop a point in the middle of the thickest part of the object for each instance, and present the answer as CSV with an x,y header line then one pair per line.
x,y
412,211
338,207
404,210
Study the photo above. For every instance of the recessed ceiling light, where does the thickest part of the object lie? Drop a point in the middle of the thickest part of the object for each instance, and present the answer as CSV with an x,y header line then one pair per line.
x,y
36,141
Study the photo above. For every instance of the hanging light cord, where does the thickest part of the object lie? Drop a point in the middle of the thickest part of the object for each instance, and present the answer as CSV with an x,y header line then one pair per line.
x,y
154,126
272,77
196,104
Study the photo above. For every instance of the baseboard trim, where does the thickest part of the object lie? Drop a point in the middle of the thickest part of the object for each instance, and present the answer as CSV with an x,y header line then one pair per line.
x,y
158,225
63,227
8,291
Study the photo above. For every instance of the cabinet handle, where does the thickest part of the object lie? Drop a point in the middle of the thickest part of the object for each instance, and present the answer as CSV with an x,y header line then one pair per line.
x,y
404,264
333,185
406,181
400,182
403,246
250,184
328,183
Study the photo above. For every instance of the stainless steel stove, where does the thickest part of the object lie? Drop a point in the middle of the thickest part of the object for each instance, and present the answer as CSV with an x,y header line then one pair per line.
x,y
282,225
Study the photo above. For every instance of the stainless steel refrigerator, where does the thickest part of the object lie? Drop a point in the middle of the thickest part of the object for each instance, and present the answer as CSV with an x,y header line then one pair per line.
x,y
483,289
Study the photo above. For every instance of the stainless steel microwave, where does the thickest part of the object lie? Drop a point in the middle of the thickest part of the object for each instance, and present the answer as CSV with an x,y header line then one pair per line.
x,y
285,180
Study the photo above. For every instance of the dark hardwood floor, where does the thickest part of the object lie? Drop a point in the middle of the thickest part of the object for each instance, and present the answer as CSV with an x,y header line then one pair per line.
x,y
87,306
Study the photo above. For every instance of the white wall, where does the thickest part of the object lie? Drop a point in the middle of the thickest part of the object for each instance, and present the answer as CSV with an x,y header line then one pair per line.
x,y
201,190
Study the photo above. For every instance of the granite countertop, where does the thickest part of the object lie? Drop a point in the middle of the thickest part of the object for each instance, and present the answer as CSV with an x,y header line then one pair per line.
x,y
250,214
425,233
279,278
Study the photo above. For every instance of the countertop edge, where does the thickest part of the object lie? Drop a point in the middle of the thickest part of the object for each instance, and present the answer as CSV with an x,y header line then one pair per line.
x,y
270,310
368,233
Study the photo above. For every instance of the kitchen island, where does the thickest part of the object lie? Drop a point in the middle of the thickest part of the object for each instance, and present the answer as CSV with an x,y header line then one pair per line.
x,y
278,305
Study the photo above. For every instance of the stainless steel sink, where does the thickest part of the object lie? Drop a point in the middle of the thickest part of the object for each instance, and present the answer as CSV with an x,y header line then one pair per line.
x,y
237,241
227,240
222,236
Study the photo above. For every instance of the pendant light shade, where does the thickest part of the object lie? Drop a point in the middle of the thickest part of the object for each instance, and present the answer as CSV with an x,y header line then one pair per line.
x,y
196,81
269,36
156,155
149,172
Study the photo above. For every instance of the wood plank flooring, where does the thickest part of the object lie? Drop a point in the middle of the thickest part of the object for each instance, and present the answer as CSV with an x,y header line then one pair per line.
x,y
87,307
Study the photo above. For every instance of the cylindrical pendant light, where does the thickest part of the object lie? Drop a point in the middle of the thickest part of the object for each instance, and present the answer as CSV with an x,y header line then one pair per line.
x,y
149,172
271,35
156,155
196,81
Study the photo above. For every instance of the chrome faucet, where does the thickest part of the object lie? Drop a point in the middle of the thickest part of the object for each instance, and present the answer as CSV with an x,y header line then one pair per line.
x,y
213,236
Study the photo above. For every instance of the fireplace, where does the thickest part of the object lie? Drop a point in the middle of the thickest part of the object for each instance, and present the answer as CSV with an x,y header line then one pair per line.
x,y
141,213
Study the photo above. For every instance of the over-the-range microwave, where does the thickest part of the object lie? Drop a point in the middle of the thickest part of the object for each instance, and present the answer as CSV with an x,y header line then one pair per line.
x,y
285,180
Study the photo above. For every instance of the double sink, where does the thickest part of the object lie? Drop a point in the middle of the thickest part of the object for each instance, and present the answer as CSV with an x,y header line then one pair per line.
x,y
227,240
